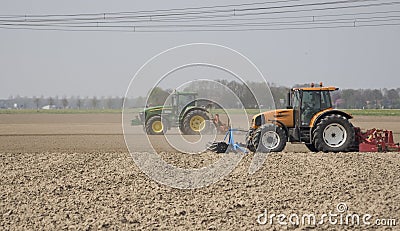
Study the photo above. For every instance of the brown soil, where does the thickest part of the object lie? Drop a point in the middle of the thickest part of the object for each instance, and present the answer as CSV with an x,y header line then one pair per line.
x,y
74,172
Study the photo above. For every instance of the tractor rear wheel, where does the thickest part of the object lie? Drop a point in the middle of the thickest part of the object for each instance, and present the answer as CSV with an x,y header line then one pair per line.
x,y
269,138
154,126
334,133
195,122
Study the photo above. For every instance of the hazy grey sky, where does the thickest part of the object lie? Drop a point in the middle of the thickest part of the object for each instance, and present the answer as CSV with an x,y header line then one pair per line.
x,y
50,63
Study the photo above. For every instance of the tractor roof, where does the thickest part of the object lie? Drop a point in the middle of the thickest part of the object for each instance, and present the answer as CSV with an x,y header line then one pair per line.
x,y
316,88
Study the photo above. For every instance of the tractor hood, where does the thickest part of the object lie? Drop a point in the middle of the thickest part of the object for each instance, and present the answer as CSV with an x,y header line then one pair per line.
x,y
284,116
157,110
151,109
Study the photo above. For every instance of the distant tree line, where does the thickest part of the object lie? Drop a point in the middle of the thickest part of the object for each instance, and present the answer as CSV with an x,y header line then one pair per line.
x,y
367,98
345,98
74,102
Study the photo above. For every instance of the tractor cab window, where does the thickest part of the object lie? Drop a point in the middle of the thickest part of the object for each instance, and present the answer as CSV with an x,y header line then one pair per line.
x,y
296,99
325,100
310,105
184,101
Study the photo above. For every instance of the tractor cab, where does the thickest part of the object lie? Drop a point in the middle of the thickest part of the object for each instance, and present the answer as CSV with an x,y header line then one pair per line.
x,y
308,102
182,100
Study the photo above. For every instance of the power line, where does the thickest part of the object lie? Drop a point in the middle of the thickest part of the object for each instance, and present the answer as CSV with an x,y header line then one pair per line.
x,y
148,11
239,24
291,11
204,30
25,18
232,19
213,19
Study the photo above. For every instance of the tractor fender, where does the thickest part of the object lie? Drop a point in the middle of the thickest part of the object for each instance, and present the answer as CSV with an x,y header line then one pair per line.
x,y
282,125
317,117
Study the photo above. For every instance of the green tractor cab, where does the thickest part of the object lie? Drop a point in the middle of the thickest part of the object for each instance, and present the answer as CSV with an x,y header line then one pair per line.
x,y
184,112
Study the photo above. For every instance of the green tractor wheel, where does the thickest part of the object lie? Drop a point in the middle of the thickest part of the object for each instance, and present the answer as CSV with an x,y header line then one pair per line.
x,y
195,121
154,126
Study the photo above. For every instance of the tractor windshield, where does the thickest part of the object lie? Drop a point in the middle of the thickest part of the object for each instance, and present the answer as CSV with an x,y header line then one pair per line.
x,y
186,99
314,102
181,101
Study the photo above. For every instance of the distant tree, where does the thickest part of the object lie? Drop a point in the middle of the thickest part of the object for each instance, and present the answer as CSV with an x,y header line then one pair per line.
x,y
36,100
79,102
64,102
94,102
139,102
352,99
109,102
392,97
50,100
157,96
372,97
56,101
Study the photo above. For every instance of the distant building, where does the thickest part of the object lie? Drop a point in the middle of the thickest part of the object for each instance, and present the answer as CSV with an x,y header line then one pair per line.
x,y
48,107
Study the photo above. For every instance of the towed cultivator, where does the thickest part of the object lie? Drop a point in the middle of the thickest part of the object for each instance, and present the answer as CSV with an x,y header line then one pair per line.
x,y
375,140
372,140
310,119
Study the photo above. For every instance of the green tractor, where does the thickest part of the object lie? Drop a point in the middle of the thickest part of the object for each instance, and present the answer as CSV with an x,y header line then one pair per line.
x,y
184,112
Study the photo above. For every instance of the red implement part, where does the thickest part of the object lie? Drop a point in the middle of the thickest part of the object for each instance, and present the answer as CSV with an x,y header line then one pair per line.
x,y
376,140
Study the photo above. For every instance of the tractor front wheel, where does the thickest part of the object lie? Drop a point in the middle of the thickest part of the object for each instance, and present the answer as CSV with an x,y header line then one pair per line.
x,y
154,126
269,138
195,122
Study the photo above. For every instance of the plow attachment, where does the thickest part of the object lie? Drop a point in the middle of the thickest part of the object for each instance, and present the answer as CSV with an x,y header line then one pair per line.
x,y
222,147
376,140
218,147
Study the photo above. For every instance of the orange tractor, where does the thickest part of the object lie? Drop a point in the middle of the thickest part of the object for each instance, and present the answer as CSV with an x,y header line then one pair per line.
x,y
310,119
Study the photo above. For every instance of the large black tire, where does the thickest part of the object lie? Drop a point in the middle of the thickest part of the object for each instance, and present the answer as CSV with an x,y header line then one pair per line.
x,y
195,122
249,140
153,126
311,147
334,133
269,138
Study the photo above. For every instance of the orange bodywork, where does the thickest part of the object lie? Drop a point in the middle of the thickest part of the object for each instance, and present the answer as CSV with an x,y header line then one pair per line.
x,y
284,116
